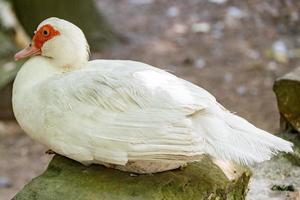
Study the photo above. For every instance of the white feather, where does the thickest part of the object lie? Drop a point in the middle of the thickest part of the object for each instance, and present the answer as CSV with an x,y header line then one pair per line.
x,y
116,111
111,111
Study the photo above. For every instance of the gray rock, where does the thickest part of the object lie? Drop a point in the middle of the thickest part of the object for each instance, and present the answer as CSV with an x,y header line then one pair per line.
x,y
5,182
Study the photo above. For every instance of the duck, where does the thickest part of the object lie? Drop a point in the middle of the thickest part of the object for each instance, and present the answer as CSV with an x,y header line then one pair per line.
x,y
124,114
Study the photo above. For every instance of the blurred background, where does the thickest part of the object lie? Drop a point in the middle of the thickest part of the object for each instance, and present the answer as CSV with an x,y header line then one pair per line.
x,y
234,49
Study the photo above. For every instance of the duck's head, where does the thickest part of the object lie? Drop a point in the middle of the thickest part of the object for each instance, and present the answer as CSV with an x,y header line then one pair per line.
x,y
59,40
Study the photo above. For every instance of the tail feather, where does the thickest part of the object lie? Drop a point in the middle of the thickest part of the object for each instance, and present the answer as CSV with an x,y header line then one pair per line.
x,y
227,136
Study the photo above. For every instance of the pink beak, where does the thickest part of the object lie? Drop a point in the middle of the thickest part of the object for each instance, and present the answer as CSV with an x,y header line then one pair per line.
x,y
31,50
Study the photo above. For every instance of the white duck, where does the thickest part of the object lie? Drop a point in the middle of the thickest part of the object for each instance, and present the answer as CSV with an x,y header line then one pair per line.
x,y
124,114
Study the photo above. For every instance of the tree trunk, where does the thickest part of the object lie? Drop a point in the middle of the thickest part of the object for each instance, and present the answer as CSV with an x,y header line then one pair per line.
x,y
287,90
82,13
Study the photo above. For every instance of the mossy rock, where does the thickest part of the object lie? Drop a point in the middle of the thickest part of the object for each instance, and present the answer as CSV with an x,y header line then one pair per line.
x,y
287,90
67,179
294,157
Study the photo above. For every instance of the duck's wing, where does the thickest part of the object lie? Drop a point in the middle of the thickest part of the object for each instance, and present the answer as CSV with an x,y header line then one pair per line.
x,y
142,114
138,112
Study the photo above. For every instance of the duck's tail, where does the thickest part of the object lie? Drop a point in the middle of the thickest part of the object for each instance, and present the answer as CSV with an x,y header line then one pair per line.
x,y
229,137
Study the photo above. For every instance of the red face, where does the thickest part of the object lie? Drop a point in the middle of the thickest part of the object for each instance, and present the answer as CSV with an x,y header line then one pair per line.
x,y
45,33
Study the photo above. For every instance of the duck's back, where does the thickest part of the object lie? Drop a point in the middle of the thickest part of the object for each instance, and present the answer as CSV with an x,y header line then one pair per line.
x,y
126,112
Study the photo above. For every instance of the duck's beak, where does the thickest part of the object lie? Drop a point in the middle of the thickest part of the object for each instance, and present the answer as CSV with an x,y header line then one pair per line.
x,y
31,50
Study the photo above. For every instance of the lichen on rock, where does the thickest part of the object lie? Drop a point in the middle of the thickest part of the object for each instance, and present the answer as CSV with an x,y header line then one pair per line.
x,y
67,179
287,90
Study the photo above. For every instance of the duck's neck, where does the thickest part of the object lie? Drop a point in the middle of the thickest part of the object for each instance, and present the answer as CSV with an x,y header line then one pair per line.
x,y
35,70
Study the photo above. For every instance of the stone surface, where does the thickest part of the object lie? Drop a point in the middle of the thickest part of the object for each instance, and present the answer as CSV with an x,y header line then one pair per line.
x,y
282,171
278,171
287,90
294,158
67,179
5,182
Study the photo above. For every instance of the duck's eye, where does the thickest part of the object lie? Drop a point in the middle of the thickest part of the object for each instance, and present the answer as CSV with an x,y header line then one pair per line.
x,y
45,32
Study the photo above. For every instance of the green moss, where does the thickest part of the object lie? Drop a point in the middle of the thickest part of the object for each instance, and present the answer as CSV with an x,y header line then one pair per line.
x,y
294,157
288,98
67,179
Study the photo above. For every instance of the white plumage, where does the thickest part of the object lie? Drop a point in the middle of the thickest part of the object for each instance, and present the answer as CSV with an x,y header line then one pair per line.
x,y
124,112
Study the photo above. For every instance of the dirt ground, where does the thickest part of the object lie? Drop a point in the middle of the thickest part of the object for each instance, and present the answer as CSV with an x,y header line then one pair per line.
x,y
234,49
